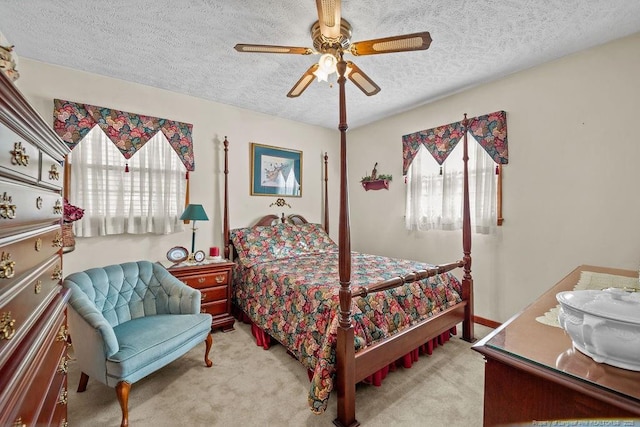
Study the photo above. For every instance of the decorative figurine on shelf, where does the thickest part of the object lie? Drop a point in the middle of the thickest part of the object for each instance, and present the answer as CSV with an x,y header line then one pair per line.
x,y
375,181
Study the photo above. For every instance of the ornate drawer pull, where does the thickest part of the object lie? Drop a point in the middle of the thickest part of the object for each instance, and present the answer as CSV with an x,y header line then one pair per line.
x,y
7,329
203,295
38,286
54,175
20,156
63,367
57,240
57,208
202,310
7,266
201,280
7,208
57,273
62,399
39,203
19,423
220,278
64,423
63,334
38,244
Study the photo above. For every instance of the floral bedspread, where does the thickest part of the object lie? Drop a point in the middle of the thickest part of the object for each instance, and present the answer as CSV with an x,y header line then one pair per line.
x,y
291,292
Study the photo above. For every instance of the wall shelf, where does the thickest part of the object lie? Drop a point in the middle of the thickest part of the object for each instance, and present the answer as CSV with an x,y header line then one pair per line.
x,y
377,184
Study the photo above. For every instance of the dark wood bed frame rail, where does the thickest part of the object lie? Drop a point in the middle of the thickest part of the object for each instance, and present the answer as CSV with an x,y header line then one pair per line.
x,y
363,291
351,367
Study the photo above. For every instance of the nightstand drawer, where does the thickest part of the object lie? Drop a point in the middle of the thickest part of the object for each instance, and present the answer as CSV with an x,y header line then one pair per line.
x,y
213,280
214,308
207,280
213,294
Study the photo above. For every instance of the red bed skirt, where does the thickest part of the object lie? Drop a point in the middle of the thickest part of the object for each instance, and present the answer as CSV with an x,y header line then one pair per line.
x,y
264,340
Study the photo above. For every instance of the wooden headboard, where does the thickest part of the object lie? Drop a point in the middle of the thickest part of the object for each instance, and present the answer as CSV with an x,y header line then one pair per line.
x,y
274,219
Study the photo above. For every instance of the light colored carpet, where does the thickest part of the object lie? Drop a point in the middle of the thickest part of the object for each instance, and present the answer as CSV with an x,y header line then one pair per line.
x,y
249,386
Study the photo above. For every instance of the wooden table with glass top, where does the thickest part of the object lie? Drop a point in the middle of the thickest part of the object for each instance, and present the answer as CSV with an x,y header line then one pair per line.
x,y
532,371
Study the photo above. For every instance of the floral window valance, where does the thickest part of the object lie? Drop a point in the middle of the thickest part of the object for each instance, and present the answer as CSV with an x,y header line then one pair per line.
x,y
489,130
128,131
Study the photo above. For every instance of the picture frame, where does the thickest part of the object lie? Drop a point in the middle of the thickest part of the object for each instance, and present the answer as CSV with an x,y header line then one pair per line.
x,y
275,171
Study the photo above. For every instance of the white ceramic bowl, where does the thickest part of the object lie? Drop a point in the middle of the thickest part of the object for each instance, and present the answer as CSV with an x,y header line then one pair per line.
x,y
604,325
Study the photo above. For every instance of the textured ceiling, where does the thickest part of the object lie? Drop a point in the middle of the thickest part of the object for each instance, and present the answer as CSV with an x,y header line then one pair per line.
x,y
187,46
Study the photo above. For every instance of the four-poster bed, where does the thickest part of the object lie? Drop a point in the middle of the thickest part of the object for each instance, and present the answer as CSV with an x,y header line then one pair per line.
x,y
352,367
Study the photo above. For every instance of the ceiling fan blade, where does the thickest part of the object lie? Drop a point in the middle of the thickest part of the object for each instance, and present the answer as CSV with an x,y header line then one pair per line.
x,y
304,82
263,48
405,43
360,79
329,18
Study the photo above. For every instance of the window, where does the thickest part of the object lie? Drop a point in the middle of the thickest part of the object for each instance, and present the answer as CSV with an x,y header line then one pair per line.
x,y
434,193
149,198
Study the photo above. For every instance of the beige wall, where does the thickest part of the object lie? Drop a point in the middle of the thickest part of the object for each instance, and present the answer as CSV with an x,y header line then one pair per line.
x,y
41,83
571,188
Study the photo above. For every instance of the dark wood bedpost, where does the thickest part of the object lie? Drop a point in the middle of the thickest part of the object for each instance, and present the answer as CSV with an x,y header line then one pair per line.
x,y
467,280
345,349
326,193
225,229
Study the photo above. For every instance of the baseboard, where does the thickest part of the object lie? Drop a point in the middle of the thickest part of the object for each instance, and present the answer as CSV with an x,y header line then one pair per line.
x,y
486,322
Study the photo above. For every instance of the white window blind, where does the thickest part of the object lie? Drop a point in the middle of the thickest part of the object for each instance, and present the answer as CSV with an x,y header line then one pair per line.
x,y
147,199
434,199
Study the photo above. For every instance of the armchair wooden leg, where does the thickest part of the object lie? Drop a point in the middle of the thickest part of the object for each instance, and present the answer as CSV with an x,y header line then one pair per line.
x,y
84,379
209,343
122,391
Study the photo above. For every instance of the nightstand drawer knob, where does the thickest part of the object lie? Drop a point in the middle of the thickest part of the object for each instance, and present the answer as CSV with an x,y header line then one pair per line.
x,y
220,278
201,280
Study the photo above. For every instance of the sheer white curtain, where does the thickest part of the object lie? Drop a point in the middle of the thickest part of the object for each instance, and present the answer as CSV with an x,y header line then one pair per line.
x,y
434,200
147,199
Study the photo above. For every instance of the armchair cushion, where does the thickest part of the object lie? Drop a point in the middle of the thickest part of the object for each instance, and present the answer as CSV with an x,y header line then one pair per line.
x,y
148,343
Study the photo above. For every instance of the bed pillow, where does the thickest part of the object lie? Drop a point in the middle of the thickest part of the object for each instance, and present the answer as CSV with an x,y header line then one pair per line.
x,y
316,238
272,242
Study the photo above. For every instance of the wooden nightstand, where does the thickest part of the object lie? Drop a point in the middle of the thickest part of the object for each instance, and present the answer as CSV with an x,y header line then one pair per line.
x,y
214,282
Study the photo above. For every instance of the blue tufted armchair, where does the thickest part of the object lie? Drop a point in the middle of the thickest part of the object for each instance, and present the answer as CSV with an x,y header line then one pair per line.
x,y
129,320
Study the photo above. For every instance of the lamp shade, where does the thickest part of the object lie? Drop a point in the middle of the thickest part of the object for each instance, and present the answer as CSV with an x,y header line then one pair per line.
x,y
195,213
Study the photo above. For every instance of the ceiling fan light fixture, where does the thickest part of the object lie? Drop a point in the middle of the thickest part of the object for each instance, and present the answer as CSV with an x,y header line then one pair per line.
x,y
326,67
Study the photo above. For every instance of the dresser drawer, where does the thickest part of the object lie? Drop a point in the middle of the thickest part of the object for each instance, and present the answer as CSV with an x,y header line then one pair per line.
x,y
25,381
24,301
207,280
17,156
26,205
214,308
48,390
213,294
20,254
51,172
54,409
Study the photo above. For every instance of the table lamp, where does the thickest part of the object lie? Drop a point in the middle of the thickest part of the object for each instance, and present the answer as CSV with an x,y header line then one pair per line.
x,y
194,213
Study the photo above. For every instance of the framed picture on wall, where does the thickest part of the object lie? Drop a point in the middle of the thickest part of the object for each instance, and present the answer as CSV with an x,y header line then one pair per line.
x,y
275,171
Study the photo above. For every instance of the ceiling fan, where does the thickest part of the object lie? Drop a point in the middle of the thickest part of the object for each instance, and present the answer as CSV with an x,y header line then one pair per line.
x,y
331,37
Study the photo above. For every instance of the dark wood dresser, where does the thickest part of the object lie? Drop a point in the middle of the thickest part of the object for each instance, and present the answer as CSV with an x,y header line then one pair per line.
x,y
33,334
534,374
214,282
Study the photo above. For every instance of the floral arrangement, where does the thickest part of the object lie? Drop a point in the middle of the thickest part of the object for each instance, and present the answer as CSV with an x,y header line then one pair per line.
x,y
71,213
